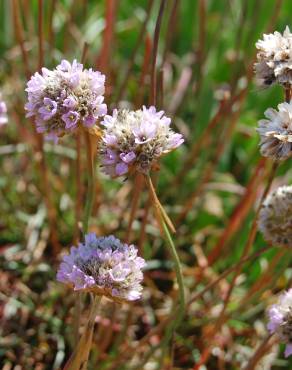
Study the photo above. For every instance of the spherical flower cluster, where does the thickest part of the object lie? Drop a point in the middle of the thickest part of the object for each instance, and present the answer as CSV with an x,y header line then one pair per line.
x,y
104,266
3,112
64,98
135,140
276,132
275,59
280,320
275,217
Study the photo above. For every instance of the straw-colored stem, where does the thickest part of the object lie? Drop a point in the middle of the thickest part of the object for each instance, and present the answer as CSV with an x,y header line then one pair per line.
x,y
137,188
90,183
161,218
79,358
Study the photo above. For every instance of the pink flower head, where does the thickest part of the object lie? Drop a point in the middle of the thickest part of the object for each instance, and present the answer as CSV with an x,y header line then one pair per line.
x,y
3,112
62,99
135,140
280,320
104,266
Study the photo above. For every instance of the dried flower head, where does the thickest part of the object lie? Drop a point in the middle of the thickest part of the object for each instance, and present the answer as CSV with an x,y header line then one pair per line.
x,y
135,140
275,59
64,98
276,132
280,320
104,266
3,112
275,217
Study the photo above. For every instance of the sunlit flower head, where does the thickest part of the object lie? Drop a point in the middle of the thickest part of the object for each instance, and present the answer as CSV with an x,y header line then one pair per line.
x,y
135,140
3,112
280,320
274,59
276,132
105,266
65,98
275,217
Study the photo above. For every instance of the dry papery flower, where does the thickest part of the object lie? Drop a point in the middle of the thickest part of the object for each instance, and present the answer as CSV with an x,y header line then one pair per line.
x,y
276,132
274,59
275,217
65,98
280,320
104,266
135,140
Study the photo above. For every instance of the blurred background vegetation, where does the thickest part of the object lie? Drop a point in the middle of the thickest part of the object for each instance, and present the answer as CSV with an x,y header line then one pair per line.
x,y
204,73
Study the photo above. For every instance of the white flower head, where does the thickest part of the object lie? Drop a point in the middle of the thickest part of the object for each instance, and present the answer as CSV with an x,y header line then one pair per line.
x,y
274,59
280,320
276,132
275,217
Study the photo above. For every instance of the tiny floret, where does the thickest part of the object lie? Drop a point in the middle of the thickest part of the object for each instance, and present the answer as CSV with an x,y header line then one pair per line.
x,y
276,132
3,112
275,217
62,99
274,59
135,140
280,320
105,266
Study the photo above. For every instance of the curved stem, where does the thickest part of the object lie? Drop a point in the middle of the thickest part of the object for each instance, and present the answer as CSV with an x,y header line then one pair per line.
x,y
164,227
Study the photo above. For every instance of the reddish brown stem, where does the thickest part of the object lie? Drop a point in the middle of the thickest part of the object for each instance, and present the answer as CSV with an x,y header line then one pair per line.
x,y
132,58
154,53
137,188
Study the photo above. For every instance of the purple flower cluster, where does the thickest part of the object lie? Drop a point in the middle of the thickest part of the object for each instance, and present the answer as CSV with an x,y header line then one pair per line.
x,y
3,112
280,320
65,97
104,266
135,140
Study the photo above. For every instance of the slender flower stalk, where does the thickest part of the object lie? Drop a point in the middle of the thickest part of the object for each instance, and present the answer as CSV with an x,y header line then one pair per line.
x,y
90,155
162,219
79,358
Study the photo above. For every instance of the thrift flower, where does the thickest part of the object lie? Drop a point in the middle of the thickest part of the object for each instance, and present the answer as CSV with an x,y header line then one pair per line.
x,y
275,59
135,140
65,98
3,112
280,320
276,132
104,266
275,217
